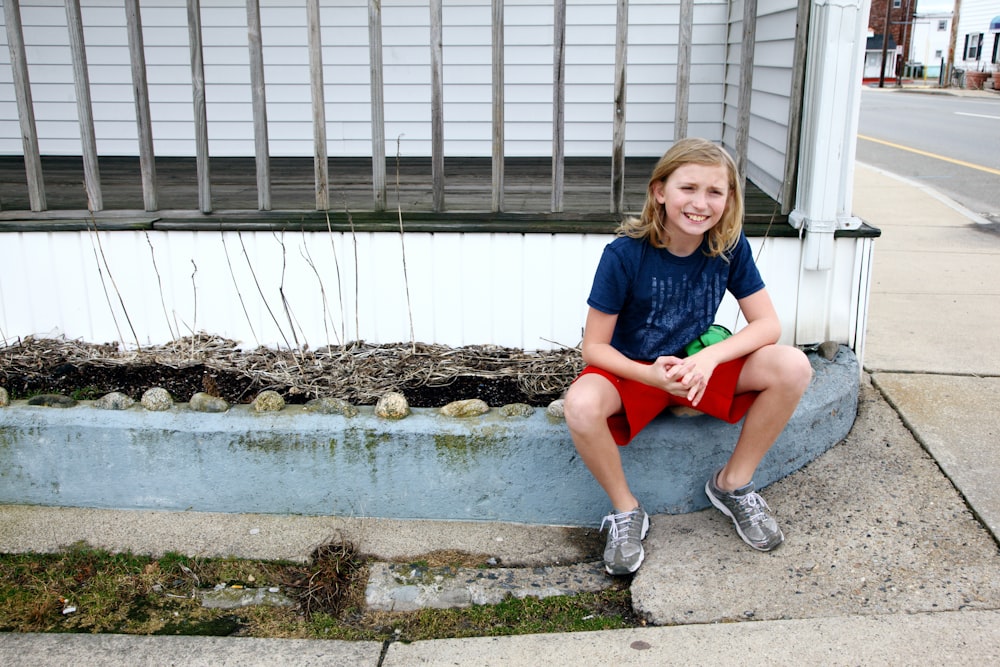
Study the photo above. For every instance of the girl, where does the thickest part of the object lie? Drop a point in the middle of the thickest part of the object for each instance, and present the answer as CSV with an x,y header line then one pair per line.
x,y
657,288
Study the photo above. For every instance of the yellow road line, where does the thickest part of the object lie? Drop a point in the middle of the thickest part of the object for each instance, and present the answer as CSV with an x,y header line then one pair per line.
x,y
961,163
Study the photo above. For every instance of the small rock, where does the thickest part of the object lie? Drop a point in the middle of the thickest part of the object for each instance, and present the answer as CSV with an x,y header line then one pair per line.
x,y
829,349
555,409
517,410
237,598
202,402
52,401
471,407
332,406
392,405
114,401
157,399
268,401
4,398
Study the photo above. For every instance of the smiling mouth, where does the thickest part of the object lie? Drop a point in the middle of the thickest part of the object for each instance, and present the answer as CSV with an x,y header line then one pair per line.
x,y
694,217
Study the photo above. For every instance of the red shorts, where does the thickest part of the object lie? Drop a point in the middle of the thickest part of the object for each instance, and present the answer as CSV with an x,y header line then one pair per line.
x,y
642,403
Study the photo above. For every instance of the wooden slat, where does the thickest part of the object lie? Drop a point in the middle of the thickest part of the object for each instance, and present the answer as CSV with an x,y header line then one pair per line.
x,y
200,113
25,108
321,173
259,97
498,97
84,107
437,105
378,106
790,181
683,97
746,85
558,104
618,130
143,119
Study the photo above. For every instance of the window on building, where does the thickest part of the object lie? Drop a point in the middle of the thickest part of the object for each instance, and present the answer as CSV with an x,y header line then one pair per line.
x,y
973,45
942,25
896,4
939,54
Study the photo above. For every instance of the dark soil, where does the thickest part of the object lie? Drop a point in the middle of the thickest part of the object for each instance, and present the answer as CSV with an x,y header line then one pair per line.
x,y
93,381
53,370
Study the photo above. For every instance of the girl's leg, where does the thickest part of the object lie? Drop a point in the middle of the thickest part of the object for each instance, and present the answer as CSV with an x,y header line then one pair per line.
x,y
589,403
591,399
781,374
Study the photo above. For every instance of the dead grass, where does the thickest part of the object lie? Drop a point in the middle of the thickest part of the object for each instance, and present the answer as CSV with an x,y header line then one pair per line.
x,y
358,372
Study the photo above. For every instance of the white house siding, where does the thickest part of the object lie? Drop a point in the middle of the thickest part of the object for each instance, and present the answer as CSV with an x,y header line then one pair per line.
x,y
590,35
974,18
929,43
519,290
774,54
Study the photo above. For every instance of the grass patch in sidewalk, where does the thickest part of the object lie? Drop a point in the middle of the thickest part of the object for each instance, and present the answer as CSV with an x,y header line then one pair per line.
x,y
82,589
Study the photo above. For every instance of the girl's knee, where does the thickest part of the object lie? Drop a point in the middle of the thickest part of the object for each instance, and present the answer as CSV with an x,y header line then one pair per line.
x,y
584,405
576,405
787,367
796,369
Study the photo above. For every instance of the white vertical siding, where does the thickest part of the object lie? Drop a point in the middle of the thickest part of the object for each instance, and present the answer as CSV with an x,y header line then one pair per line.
x,y
975,18
526,291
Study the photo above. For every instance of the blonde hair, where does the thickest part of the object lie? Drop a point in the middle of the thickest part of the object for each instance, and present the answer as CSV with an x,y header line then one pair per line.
x,y
651,225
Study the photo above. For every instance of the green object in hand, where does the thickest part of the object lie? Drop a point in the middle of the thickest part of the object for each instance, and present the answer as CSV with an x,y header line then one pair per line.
x,y
712,335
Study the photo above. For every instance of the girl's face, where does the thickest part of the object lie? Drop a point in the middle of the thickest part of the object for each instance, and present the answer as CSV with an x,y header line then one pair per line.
x,y
694,197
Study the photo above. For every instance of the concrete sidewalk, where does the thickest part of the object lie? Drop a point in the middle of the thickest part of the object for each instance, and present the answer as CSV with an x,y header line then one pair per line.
x,y
891,554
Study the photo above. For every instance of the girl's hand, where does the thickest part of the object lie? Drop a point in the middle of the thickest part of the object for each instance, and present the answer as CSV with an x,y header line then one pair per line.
x,y
668,374
688,377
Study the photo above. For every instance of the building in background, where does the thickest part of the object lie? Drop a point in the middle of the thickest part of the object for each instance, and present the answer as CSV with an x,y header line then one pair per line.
x,y
929,41
892,18
977,46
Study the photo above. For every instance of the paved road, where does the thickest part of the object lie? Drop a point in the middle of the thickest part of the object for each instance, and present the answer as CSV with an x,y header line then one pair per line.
x,y
948,142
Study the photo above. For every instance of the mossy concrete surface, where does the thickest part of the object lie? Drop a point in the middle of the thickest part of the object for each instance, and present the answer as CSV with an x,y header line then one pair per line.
x,y
426,466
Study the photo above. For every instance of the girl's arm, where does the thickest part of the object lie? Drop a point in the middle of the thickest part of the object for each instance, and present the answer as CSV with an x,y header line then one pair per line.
x,y
598,351
763,328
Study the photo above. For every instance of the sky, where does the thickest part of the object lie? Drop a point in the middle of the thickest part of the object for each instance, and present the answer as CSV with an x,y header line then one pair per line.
x,y
927,6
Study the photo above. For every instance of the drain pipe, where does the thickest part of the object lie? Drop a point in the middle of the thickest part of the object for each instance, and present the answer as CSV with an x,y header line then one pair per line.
x,y
827,146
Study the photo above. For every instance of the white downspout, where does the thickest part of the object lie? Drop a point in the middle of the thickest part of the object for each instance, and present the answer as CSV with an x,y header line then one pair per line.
x,y
831,105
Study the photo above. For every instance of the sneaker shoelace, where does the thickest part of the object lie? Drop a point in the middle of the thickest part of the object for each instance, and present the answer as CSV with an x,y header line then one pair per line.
x,y
754,505
621,525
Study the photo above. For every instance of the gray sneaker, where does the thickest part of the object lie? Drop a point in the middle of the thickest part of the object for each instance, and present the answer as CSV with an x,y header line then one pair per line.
x,y
623,552
749,513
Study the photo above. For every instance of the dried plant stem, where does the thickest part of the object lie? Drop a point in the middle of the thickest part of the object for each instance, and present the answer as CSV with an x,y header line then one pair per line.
x,y
99,256
402,248
357,299
174,335
281,289
194,294
304,251
236,285
260,291
336,266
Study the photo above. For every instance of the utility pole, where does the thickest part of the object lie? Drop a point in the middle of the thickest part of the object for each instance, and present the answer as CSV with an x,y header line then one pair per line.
x,y
952,42
885,43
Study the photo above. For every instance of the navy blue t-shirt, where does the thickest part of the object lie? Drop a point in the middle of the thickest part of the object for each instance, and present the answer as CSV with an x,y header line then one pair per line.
x,y
663,302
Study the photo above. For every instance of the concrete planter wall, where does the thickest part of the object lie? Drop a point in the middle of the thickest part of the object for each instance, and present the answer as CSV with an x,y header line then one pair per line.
x,y
426,466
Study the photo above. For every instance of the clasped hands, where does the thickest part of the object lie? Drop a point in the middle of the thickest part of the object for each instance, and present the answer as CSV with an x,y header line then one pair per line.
x,y
685,378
